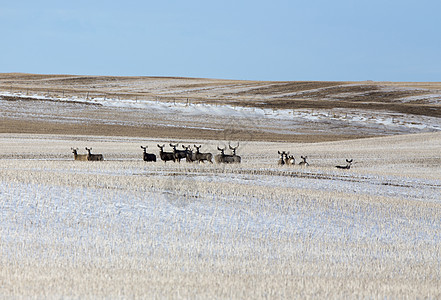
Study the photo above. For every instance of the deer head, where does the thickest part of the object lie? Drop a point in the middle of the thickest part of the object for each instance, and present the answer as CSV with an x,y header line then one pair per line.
x,y
234,148
187,148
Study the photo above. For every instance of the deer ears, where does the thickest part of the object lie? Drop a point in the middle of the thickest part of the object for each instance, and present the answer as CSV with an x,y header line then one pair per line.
x,y
144,147
232,148
349,161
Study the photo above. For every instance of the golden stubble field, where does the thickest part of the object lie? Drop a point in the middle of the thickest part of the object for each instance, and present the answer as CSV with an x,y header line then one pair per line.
x,y
125,228
128,228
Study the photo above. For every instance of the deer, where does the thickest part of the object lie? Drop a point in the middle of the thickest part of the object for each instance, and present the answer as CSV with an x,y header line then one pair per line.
x,y
165,156
148,156
179,154
303,162
220,158
236,158
190,156
286,159
282,160
93,157
77,156
348,165
289,159
200,157
225,158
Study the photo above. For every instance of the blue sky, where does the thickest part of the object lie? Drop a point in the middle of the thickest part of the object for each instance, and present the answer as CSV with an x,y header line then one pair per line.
x,y
256,40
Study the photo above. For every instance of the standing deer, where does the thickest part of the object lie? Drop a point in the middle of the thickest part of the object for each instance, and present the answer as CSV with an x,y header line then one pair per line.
x,y
200,157
303,162
289,159
148,156
77,156
93,157
348,165
225,158
165,156
189,155
219,158
179,154
236,158
282,160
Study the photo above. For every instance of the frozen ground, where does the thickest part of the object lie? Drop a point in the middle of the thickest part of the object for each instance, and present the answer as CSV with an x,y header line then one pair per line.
x,y
127,228
204,116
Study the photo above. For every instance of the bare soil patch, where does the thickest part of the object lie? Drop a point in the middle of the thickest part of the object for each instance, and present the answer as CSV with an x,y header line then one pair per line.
x,y
289,87
36,127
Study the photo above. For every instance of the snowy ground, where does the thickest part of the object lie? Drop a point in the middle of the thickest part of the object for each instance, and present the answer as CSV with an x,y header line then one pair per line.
x,y
127,228
71,110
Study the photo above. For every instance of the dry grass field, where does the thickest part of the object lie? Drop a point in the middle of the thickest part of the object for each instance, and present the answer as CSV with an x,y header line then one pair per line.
x,y
125,228
215,109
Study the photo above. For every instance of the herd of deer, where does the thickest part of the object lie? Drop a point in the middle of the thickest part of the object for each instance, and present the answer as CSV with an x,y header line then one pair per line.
x,y
187,153
176,155
89,156
289,160
197,156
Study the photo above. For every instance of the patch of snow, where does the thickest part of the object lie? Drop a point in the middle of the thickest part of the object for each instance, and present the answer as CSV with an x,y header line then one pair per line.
x,y
393,121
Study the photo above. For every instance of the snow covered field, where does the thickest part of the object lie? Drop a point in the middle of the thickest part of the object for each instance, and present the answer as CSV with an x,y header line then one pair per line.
x,y
213,117
127,228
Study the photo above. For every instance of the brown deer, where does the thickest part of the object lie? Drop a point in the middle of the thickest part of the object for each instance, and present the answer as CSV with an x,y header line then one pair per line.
x,y
286,159
219,158
348,165
225,158
236,158
93,157
165,156
200,157
282,159
189,155
77,156
148,156
179,154
303,162
289,159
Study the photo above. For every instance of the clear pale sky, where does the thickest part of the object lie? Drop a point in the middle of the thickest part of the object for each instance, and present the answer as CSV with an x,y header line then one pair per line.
x,y
250,39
